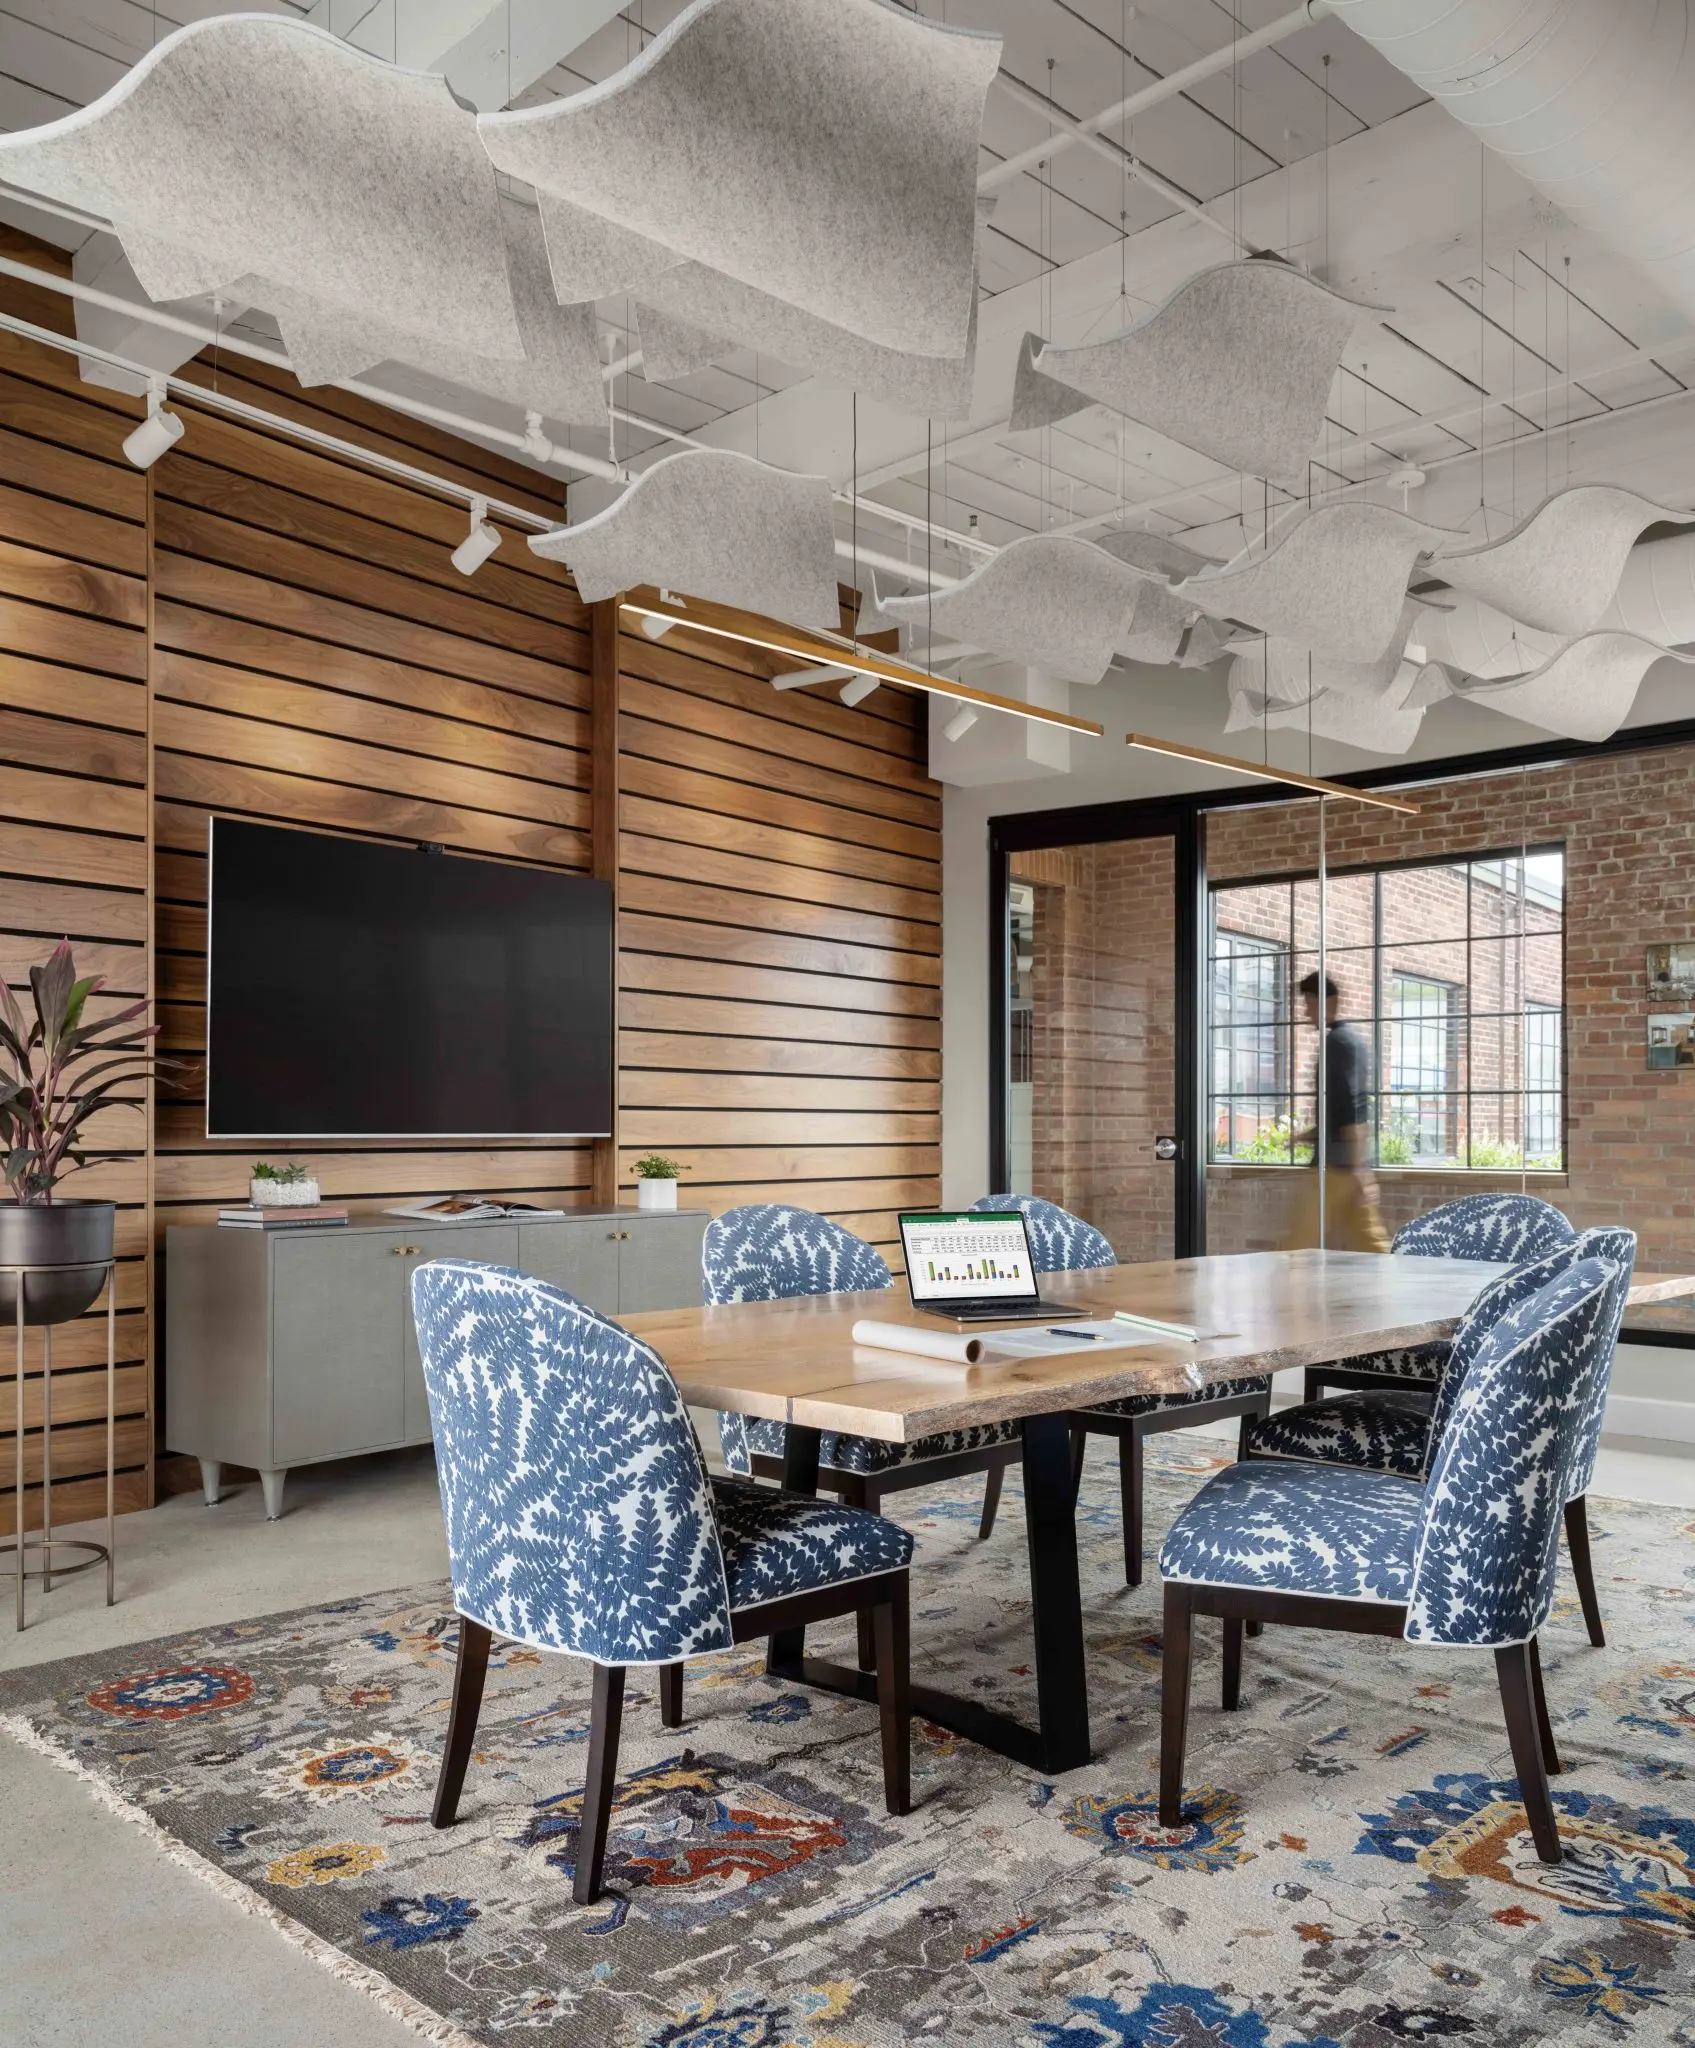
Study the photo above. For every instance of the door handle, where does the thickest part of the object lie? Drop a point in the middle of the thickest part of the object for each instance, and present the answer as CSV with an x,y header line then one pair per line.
x,y
1167,1148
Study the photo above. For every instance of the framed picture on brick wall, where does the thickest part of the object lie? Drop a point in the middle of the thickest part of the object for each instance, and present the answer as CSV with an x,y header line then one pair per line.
x,y
1671,968
1671,1040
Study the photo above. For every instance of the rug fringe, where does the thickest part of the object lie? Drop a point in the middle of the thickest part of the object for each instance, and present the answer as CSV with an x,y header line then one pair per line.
x,y
411,2011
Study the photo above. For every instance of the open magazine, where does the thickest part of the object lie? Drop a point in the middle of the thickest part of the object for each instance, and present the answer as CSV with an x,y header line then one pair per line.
x,y
466,1209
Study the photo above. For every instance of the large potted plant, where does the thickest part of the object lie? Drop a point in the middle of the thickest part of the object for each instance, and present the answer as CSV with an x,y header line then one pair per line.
x,y
56,1073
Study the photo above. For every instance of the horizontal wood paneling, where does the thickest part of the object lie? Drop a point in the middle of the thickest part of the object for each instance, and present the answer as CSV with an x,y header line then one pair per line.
x,y
779,942
255,629
74,826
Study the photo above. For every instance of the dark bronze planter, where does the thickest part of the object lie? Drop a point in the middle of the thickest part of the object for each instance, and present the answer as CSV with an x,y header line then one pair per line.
x,y
53,1234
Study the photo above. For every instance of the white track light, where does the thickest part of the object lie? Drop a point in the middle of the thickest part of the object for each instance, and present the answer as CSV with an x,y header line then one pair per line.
x,y
482,540
959,724
656,626
858,690
820,672
159,431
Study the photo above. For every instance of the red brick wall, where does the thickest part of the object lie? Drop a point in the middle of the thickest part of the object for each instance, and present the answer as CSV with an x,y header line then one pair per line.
x,y
1627,824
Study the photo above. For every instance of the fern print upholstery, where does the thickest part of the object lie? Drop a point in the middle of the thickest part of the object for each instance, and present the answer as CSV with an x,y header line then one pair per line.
x,y
579,1515
1502,1230
1508,1459
772,1252
1496,1229
1059,1241
1470,1554
1395,1429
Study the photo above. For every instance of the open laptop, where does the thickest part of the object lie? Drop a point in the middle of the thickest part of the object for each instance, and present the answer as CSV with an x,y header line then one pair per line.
x,y
975,1266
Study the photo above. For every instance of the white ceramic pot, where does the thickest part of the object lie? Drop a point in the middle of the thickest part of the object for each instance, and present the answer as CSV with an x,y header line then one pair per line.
x,y
656,1194
283,1194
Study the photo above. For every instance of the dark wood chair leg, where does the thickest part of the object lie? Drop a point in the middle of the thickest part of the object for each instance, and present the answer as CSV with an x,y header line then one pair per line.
x,y
1130,1502
891,1625
604,1726
1256,1628
1232,1693
671,1695
1079,1451
1244,1437
991,1501
1174,1703
1518,1703
1544,1726
867,1639
1312,1384
469,1670
1582,1567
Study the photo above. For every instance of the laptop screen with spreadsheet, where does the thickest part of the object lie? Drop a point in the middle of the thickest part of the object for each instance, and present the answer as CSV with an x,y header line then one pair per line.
x,y
968,1255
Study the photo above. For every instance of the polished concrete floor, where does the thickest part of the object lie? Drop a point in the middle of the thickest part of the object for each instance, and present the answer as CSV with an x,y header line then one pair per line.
x,y
100,1935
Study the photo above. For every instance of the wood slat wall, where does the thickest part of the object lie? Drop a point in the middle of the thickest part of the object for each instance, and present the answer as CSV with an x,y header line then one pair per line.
x,y
257,629
780,938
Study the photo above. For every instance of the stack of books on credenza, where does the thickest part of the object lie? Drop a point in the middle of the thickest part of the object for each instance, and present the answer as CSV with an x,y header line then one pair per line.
x,y
315,1217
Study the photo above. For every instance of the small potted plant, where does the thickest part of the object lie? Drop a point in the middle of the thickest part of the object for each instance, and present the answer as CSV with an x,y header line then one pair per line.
x,y
656,1182
56,1072
281,1187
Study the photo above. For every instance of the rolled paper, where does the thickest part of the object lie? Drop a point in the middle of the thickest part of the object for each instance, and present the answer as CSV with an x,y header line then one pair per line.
x,y
958,1346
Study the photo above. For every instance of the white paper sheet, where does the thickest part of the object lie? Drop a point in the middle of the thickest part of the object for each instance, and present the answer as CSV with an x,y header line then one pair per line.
x,y
1041,1340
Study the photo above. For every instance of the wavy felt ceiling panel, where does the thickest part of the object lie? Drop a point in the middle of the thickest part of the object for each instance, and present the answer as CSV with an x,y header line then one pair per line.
x,y
1155,554
559,376
1383,727
822,151
1335,581
1558,570
1289,673
1205,642
712,524
1156,625
934,387
1585,692
1056,604
1237,363
673,348
248,146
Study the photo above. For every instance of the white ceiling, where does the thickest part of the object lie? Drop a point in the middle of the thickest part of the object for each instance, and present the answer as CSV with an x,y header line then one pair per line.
x,y
1400,208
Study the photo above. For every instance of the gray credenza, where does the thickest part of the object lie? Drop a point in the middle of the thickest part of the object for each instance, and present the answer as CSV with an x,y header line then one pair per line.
x,y
290,1347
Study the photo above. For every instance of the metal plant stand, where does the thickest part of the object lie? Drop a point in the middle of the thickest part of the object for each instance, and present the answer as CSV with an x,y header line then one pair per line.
x,y
46,1543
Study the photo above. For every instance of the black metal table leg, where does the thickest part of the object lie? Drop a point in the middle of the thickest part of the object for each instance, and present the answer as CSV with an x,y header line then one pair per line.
x,y
800,1475
1060,1741
1056,1597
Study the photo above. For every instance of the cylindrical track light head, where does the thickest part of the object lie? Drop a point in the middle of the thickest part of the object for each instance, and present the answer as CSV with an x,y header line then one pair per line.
x,y
858,690
482,540
159,431
959,724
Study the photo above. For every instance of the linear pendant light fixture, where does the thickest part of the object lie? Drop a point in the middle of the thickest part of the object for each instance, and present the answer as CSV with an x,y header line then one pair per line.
x,y
1263,771
723,622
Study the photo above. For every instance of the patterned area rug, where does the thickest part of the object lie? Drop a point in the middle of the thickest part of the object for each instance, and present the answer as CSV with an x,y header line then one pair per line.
x,y
1356,1869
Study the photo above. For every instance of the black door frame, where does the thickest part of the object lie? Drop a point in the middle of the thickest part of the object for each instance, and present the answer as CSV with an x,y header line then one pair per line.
x,y
1179,817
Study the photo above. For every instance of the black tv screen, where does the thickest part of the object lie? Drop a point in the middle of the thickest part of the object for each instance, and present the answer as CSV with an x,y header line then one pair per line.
x,y
364,991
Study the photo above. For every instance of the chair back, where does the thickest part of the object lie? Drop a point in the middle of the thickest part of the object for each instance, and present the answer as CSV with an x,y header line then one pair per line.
x,y
1618,1246
1059,1241
1483,1573
577,1508
1504,1294
771,1252
1506,1229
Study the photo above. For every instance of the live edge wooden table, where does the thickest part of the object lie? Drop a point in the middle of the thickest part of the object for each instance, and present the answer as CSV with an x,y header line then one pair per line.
x,y
796,1362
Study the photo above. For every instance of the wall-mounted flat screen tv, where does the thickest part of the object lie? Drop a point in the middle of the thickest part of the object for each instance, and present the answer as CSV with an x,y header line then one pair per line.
x,y
363,991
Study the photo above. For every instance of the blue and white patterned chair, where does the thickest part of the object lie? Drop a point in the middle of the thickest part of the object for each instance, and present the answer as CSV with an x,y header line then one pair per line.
x,y
1466,1558
1388,1429
773,1252
580,1518
1501,1230
1062,1243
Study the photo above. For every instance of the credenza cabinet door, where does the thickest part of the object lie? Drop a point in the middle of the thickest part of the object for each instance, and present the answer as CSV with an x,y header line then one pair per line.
x,y
659,1264
337,1342
495,1244
582,1258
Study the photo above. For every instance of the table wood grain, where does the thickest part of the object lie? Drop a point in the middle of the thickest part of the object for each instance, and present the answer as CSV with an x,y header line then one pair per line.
x,y
1257,1312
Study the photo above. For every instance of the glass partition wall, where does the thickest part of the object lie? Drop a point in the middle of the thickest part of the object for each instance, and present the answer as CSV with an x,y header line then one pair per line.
x,y
1288,1021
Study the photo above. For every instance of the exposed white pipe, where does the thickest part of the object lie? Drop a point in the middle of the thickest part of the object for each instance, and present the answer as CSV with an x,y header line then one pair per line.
x,y
1589,100
1120,159
1175,82
416,408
